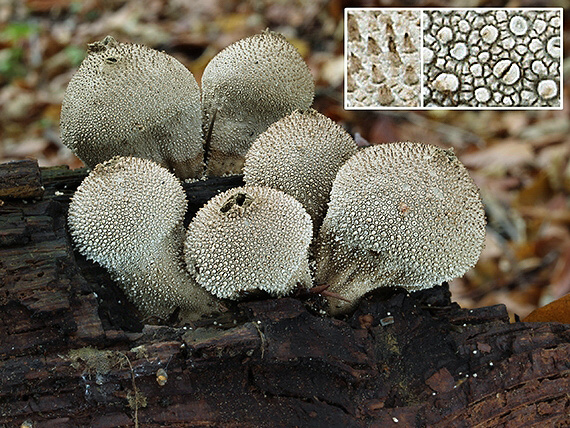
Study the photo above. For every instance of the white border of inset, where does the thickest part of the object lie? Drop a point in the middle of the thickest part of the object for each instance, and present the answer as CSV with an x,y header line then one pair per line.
x,y
422,10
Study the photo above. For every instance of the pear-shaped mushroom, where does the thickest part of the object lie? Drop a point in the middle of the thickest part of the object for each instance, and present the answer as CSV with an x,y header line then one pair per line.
x,y
130,100
250,238
245,88
401,214
300,155
127,215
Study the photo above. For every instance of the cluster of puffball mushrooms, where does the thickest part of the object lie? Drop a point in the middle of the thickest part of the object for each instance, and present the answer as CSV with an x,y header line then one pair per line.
x,y
314,210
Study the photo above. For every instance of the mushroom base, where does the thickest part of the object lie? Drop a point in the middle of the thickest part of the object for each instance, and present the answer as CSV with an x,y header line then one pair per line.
x,y
352,272
189,168
221,163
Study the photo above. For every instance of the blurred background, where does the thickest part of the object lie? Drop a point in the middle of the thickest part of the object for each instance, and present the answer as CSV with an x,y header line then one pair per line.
x,y
519,159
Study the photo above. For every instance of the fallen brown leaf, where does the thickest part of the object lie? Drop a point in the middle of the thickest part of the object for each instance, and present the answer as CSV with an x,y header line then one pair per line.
x,y
557,311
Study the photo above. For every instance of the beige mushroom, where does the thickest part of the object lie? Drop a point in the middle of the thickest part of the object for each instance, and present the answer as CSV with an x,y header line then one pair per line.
x,y
130,100
245,88
250,238
300,155
127,215
401,214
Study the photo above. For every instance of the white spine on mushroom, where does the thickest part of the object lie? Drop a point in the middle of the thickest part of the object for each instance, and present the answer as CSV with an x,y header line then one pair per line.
x,y
127,216
130,100
384,75
400,214
245,88
300,155
250,238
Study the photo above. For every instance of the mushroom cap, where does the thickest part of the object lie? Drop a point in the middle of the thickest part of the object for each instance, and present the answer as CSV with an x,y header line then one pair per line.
x,y
246,87
127,215
300,154
410,209
131,100
249,238
123,205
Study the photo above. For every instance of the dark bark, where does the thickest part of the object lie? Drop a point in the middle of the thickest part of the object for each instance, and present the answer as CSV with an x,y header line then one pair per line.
x,y
21,179
74,352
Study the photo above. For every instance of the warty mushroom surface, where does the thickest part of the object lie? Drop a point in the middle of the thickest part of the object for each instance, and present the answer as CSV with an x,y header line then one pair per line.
x,y
245,88
127,215
131,100
300,154
400,214
250,238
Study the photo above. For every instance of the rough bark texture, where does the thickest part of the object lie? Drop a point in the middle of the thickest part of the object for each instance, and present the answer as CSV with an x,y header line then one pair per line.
x,y
74,352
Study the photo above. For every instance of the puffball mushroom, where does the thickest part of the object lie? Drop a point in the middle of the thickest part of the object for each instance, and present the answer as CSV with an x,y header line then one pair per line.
x,y
246,87
250,238
127,215
131,100
300,154
400,214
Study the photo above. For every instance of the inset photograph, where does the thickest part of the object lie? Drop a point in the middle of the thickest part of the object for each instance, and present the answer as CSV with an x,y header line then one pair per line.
x,y
501,58
382,53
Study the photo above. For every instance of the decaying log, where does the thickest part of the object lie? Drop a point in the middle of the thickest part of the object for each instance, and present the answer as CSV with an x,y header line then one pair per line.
x,y
21,179
74,352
